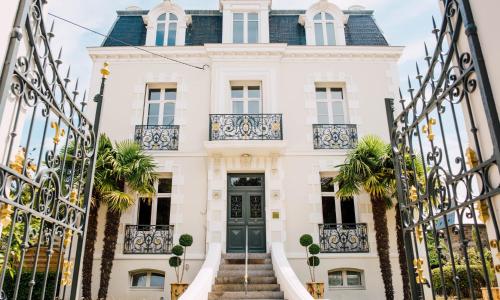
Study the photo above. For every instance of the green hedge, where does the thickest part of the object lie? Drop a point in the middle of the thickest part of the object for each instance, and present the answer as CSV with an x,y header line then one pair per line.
x,y
461,271
23,291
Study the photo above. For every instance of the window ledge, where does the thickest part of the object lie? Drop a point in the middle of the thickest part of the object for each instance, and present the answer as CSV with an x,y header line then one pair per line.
x,y
354,288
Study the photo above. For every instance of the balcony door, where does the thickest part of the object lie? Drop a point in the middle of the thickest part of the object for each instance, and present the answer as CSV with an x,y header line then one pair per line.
x,y
246,98
246,208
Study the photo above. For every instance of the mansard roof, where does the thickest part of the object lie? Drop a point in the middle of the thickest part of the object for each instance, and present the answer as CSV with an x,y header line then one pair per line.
x,y
284,27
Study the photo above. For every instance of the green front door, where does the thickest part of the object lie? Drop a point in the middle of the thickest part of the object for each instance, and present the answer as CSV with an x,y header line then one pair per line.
x,y
246,211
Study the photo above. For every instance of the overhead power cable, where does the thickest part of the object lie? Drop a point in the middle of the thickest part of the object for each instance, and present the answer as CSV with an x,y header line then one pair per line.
x,y
127,44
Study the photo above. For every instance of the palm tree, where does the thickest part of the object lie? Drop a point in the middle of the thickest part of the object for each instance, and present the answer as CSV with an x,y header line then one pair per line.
x,y
369,167
131,172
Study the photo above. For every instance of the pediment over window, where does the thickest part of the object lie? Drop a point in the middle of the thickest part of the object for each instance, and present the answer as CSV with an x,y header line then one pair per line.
x,y
324,24
166,25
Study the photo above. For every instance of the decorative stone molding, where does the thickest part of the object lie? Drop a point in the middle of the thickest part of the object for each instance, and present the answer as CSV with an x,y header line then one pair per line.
x,y
339,20
166,7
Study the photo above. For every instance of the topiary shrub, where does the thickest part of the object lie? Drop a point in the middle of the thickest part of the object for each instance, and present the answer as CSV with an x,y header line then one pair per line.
x,y
176,261
306,241
186,240
461,272
314,249
177,250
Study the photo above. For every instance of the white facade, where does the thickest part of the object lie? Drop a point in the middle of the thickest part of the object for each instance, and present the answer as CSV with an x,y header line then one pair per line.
x,y
288,77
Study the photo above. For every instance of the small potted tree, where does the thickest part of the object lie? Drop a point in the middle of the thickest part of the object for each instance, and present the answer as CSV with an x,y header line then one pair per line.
x,y
179,264
316,289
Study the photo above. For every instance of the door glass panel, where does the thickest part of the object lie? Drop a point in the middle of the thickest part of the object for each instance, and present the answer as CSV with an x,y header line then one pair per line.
x,y
246,181
172,32
170,94
154,94
165,185
338,119
168,113
330,34
153,113
236,92
318,32
163,211
323,113
329,215
238,107
253,107
236,206
347,210
254,92
255,207
238,28
253,31
337,94
144,217
320,93
160,34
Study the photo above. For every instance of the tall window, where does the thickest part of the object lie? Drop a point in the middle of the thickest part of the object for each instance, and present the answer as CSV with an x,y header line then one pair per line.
x,y
147,279
346,278
246,99
324,31
330,105
161,106
336,210
245,28
166,30
156,210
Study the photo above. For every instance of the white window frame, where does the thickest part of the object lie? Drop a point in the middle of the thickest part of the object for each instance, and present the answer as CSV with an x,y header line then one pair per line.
x,y
246,99
166,32
154,203
338,207
246,23
324,26
344,285
329,102
148,280
160,102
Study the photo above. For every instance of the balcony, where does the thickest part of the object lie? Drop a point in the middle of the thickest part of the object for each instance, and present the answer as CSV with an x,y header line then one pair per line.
x,y
343,238
148,239
224,127
157,137
335,136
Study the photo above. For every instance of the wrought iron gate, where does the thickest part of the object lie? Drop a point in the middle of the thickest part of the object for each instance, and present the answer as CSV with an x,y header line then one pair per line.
x,y
46,165
446,176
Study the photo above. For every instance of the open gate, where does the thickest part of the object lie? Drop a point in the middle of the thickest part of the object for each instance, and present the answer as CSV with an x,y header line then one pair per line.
x,y
47,155
445,142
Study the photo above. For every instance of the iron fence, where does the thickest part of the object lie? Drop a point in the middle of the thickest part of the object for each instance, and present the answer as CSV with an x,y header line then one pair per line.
x,y
148,239
157,137
343,238
335,136
245,127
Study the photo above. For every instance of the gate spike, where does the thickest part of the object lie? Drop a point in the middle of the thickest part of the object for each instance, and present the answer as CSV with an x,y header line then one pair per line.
x,y
50,34
84,100
75,91
435,30
427,57
67,80
410,89
401,100
58,60
419,76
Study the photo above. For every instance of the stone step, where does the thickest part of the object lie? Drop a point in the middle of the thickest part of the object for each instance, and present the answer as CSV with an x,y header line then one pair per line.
x,y
224,267
228,261
251,279
242,255
248,295
230,273
233,287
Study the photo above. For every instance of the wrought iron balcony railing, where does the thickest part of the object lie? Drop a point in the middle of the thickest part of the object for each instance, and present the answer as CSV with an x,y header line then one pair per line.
x,y
343,238
157,137
148,239
335,136
246,127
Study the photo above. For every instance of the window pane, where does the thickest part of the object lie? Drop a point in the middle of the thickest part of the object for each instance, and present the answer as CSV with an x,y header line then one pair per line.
x,y
353,278
170,94
237,32
338,120
168,113
139,280
161,17
317,17
172,31
318,32
153,113
238,17
323,113
320,93
253,17
348,211
165,185
154,94
168,120
246,181
238,107
253,32
160,34
330,33
329,215
163,211
338,108
335,278
253,107
323,119
327,184
157,280
144,217
172,17
236,92
328,16
254,92
337,94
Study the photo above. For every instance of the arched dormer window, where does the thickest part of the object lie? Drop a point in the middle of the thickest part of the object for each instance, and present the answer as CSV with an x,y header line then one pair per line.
x,y
324,29
166,30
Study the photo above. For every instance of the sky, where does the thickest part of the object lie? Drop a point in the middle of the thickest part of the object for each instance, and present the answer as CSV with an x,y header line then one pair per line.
x,y
404,23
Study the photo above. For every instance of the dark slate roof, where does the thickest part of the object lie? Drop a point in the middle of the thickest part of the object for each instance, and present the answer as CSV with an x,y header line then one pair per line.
x,y
206,27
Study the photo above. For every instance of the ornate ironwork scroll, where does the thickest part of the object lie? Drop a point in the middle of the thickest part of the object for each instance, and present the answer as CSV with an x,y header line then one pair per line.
x,y
446,181
148,239
46,162
157,137
335,136
246,127
343,238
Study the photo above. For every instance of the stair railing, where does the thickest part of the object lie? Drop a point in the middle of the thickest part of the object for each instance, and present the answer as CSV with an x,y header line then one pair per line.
x,y
246,259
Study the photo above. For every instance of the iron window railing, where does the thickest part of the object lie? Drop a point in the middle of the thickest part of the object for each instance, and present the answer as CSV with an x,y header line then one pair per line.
x,y
335,136
246,127
157,137
148,239
343,238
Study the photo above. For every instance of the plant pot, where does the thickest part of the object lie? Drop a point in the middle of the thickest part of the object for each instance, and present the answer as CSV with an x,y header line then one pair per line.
x,y
316,289
177,289
495,291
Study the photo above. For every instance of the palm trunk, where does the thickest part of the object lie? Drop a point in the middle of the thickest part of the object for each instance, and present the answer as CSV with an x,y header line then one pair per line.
x,y
88,257
402,256
379,212
108,251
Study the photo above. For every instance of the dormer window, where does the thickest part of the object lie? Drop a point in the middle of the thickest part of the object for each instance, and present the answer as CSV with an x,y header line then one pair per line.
x,y
245,28
324,29
166,29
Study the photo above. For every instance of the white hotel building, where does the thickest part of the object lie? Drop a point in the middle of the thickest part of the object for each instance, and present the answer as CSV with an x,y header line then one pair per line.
x,y
246,141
